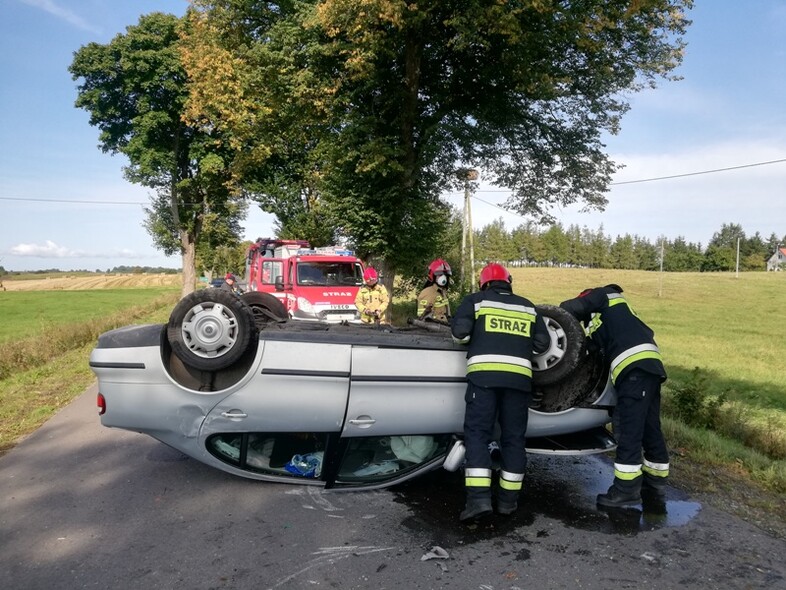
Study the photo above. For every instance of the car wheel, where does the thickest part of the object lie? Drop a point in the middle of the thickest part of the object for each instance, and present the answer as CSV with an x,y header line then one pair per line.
x,y
211,329
582,387
265,307
566,349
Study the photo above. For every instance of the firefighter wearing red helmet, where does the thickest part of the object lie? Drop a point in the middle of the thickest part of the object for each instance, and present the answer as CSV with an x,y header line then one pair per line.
x,y
637,372
230,283
503,331
433,301
372,299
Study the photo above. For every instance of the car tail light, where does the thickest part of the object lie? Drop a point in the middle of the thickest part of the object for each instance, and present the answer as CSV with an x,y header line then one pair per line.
x,y
101,400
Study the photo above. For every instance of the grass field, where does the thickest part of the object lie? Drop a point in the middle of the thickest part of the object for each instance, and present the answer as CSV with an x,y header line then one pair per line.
x,y
30,313
733,327
83,282
47,335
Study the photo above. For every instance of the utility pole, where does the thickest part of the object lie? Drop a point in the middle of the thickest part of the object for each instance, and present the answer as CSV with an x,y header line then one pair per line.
x,y
737,275
660,275
468,175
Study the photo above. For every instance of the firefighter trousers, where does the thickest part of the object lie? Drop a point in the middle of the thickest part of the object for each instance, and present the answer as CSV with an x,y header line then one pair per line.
x,y
636,420
483,406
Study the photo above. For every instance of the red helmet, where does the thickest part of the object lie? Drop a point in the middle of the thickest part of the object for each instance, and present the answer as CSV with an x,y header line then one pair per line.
x,y
370,275
494,272
438,267
230,276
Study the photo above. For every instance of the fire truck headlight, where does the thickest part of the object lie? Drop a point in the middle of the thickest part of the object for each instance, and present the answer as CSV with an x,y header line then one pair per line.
x,y
304,305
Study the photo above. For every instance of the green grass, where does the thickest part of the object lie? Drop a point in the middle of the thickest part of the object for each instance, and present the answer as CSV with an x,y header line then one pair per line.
x,y
31,394
30,313
732,328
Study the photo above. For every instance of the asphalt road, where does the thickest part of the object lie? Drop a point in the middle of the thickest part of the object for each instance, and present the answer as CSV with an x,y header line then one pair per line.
x,y
82,506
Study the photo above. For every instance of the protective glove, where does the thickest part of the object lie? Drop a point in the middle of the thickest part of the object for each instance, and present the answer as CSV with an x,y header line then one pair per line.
x,y
576,308
592,346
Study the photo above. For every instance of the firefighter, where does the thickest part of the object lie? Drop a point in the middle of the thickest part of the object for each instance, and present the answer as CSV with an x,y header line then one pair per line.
x,y
503,331
637,372
433,301
230,284
372,298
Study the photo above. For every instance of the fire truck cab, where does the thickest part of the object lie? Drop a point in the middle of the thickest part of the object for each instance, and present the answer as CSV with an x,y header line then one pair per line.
x,y
314,284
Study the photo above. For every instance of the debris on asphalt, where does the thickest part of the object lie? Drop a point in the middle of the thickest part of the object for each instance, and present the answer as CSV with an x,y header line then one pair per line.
x,y
435,553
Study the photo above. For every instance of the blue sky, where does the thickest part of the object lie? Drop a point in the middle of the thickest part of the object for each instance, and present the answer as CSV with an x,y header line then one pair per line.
x,y
727,112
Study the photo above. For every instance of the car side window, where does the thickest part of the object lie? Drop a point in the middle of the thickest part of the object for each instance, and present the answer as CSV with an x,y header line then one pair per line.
x,y
377,458
288,454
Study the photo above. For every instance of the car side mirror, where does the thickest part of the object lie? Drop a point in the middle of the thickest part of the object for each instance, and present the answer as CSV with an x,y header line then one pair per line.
x,y
279,283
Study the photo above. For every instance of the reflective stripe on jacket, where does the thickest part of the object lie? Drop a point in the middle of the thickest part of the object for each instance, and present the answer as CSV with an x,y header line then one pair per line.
x,y
372,298
504,332
633,355
627,342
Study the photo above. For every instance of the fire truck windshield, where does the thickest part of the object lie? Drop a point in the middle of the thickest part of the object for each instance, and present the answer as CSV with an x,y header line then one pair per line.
x,y
329,273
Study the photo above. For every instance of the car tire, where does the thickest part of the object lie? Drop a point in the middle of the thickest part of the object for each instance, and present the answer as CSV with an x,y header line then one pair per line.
x,y
566,350
265,307
581,388
211,329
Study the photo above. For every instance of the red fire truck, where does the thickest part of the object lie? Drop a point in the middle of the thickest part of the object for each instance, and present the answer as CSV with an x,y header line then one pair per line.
x,y
314,284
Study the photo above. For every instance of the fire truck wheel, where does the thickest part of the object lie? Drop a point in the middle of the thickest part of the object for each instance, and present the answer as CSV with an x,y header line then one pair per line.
x,y
567,347
265,307
211,329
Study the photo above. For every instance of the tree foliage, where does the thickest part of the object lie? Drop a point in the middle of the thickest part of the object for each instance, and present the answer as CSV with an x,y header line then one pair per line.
x,y
135,90
365,111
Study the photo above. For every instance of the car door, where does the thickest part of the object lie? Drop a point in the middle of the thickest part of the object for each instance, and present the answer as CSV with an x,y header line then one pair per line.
x,y
395,391
405,405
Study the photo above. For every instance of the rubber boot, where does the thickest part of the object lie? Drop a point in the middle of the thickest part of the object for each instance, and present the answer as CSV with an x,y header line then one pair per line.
x,y
653,497
654,486
507,501
621,494
478,504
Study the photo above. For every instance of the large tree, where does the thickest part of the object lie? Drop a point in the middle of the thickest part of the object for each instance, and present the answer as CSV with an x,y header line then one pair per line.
x,y
135,90
391,98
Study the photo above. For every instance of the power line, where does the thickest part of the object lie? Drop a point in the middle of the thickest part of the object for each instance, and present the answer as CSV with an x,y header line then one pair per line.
x,y
656,178
702,172
667,177
72,201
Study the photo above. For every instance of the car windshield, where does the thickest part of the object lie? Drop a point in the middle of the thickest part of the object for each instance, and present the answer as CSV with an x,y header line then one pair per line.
x,y
329,273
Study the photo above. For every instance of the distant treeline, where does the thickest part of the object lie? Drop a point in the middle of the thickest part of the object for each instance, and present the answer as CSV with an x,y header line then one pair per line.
x,y
529,244
116,270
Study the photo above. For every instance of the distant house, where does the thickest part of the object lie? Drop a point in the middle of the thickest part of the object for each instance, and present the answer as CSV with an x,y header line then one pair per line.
x,y
778,260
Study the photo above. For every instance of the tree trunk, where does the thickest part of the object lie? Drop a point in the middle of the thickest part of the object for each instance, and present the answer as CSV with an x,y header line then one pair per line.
x,y
189,263
388,276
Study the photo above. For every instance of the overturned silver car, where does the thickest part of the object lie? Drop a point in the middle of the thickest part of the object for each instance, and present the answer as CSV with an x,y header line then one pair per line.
x,y
229,382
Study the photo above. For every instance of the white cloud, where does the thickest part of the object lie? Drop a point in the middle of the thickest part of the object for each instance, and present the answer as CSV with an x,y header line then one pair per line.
x,y
46,250
62,13
50,249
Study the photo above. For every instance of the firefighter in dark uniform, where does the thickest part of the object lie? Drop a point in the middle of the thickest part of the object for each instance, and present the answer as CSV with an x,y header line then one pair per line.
x,y
637,372
503,330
